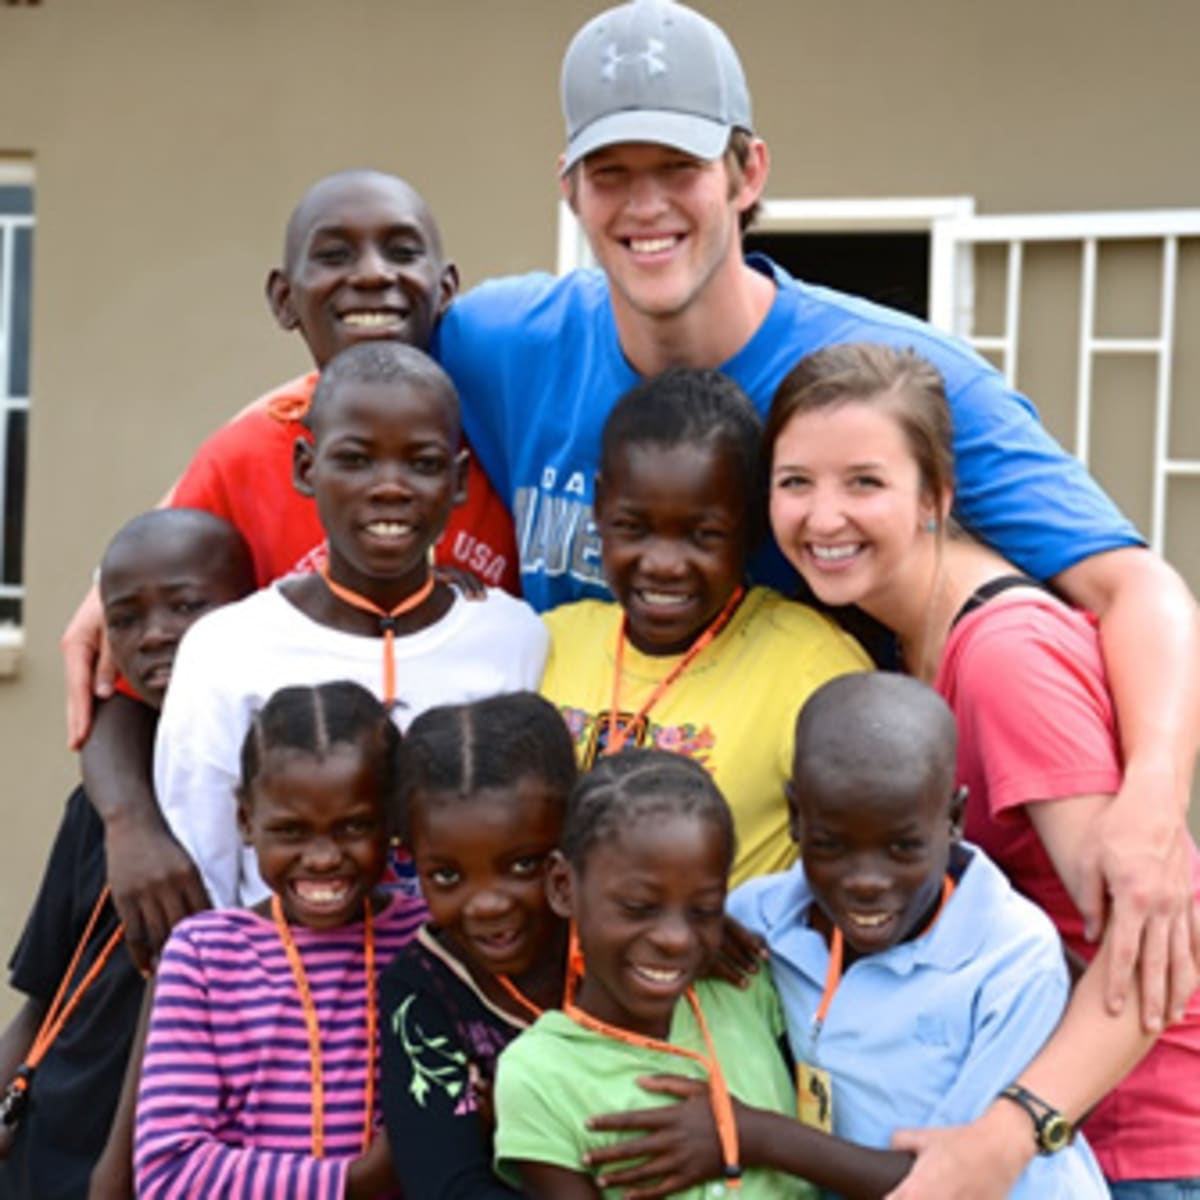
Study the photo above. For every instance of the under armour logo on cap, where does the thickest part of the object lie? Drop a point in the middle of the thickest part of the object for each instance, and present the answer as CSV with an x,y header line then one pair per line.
x,y
652,56
652,71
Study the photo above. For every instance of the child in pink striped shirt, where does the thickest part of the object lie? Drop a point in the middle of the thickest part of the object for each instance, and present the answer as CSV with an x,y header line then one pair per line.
x,y
260,1078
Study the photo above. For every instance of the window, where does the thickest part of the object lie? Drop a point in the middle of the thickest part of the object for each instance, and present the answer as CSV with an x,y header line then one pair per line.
x,y
16,276
889,267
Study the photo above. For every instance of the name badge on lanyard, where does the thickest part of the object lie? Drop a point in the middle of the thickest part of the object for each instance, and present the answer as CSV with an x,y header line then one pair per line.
x,y
814,1097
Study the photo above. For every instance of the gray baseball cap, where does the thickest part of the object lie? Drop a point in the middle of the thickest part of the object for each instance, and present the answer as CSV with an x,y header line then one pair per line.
x,y
652,71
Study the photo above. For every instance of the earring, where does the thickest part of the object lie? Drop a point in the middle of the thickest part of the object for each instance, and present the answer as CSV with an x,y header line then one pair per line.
x,y
931,525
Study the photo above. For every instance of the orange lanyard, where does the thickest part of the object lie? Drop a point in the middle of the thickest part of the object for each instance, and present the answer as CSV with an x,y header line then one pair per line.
x,y
617,737
387,621
837,953
314,1028
519,996
59,1011
718,1092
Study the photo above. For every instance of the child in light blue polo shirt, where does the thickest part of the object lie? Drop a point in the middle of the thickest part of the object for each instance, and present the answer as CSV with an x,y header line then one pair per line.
x,y
916,984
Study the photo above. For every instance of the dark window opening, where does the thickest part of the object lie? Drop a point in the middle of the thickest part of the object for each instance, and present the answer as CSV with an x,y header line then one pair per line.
x,y
889,268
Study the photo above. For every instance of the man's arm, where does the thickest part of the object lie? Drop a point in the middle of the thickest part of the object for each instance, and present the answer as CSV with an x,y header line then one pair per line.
x,y
1019,491
1136,856
1038,505
154,882
1089,1053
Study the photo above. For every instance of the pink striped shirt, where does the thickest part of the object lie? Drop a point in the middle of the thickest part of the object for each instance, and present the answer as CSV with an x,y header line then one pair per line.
x,y
225,1100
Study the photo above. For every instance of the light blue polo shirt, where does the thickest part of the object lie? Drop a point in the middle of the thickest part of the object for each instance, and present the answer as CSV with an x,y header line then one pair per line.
x,y
927,1032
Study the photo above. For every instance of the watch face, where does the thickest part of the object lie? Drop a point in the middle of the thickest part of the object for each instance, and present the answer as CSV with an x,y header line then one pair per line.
x,y
1055,1133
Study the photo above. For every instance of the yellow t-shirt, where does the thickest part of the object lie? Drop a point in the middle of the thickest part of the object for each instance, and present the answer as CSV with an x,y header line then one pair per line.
x,y
733,709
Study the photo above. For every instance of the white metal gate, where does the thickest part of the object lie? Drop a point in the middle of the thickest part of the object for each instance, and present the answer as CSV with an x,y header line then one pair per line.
x,y
952,306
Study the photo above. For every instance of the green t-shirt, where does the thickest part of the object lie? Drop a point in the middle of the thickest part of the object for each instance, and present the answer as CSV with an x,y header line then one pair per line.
x,y
557,1074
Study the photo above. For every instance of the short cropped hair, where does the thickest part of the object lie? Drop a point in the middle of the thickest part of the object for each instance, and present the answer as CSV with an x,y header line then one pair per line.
x,y
382,363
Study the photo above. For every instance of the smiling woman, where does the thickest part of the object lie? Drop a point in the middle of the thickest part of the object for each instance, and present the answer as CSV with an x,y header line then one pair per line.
x,y
861,490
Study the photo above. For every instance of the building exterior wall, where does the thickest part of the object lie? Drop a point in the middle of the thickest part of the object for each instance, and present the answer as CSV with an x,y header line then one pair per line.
x,y
169,139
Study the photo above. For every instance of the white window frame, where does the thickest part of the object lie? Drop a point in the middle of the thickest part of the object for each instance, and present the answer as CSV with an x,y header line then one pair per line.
x,y
897,214
12,174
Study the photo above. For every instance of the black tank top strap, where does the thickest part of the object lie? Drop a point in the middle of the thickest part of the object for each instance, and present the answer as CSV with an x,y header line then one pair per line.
x,y
985,591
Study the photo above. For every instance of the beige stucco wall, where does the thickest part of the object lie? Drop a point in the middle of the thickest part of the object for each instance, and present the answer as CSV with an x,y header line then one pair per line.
x,y
170,137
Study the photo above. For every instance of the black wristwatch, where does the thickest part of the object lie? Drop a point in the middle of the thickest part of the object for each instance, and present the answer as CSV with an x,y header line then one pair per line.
x,y
1051,1130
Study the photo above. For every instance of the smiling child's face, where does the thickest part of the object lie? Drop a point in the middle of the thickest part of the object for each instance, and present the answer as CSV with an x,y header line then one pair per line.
x,y
673,530
364,263
874,855
649,910
317,826
482,866
385,471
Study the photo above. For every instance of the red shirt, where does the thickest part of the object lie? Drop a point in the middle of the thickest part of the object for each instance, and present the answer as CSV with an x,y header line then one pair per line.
x,y
1026,681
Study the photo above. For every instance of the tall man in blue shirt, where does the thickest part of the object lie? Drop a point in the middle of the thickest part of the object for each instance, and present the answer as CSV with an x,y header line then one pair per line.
x,y
663,170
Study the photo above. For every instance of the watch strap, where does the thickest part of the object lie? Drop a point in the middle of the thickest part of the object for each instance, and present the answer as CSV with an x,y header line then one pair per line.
x,y
1051,1130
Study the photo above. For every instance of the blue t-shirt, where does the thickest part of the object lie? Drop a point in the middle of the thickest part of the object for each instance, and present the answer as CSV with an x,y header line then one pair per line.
x,y
539,367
